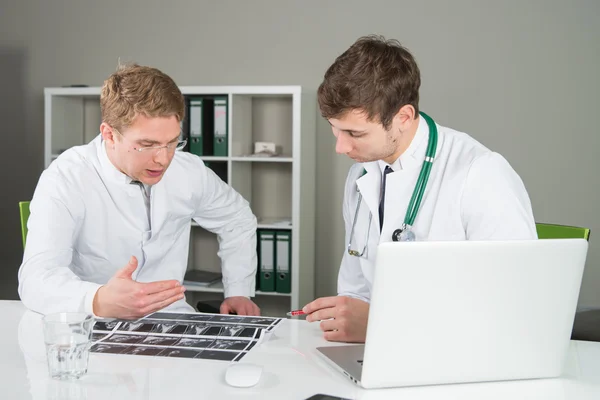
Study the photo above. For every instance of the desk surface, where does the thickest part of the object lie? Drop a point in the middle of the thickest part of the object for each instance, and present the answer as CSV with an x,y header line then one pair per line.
x,y
292,370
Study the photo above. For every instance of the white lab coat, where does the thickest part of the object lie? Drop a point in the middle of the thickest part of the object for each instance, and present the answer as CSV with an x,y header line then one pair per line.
x,y
472,194
87,220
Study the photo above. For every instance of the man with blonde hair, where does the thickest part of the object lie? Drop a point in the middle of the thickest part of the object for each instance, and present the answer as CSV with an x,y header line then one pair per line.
x,y
110,221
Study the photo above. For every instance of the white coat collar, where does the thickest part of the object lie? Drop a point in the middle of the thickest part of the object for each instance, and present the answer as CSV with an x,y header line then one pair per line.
x,y
108,168
369,184
412,156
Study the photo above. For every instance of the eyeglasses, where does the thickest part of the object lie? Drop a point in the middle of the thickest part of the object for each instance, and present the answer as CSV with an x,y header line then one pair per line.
x,y
148,150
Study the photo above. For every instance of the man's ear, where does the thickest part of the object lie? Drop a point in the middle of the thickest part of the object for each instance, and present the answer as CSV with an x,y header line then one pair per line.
x,y
405,117
107,133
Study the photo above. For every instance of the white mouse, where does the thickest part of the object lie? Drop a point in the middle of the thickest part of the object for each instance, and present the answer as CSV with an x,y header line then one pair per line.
x,y
243,375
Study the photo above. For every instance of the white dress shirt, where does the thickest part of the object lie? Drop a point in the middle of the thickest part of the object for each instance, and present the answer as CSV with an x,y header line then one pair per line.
x,y
87,220
472,194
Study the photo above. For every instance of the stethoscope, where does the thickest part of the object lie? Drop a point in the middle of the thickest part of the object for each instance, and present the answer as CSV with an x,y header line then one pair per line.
x,y
405,232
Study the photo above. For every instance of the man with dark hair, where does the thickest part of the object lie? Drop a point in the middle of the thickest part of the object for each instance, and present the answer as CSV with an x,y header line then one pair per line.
x,y
413,179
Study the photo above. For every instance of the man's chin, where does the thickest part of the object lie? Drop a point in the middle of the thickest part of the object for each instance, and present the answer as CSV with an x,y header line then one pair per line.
x,y
360,159
150,182
151,177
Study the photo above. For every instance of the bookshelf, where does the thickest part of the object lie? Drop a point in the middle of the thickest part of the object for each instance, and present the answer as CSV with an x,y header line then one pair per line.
x,y
280,189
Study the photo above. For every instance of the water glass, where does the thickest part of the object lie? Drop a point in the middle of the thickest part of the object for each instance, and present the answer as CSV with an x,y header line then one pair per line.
x,y
67,336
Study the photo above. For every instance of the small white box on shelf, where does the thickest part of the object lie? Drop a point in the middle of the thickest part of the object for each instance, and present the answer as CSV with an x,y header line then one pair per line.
x,y
265,149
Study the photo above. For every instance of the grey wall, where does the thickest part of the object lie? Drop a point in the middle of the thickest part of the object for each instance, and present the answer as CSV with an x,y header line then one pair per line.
x,y
16,174
519,76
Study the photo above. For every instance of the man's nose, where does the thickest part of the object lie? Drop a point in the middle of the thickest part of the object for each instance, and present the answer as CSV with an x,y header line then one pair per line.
x,y
161,156
342,144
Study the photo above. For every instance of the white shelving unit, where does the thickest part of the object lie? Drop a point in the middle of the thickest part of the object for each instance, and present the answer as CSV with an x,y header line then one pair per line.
x,y
277,188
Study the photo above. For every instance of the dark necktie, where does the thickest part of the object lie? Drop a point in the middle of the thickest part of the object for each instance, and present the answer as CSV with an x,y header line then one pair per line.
x,y
388,169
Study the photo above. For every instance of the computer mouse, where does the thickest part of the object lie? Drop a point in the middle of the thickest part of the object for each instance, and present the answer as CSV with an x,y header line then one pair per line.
x,y
243,374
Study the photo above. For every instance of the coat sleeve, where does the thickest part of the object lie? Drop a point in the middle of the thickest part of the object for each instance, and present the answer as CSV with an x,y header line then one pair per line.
x,y
494,202
351,281
46,282
223,211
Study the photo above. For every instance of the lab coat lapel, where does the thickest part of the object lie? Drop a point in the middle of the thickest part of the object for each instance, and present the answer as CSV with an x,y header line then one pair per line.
x,y
166,209
399,188
400,184
158,206
369,186
119,188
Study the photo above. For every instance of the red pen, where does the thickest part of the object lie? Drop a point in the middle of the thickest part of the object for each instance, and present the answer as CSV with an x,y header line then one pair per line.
x,y
295,313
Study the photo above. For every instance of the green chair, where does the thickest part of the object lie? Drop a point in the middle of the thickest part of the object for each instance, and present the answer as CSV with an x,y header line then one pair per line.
x,y
24,209
587,323
553,231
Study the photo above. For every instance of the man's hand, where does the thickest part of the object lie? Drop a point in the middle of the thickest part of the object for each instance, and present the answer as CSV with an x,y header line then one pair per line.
x,y
240,305
122,297
343,319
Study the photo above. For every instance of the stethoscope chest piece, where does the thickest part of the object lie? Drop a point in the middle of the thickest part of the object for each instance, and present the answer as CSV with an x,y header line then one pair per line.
x,y
403,235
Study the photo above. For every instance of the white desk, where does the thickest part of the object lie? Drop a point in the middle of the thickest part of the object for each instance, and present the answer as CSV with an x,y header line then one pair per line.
x,y
292,370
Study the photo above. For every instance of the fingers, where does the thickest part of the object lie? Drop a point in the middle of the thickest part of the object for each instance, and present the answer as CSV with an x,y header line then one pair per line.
x,y
243,309
158,286
325,313
334,336
225,308
255,310
240,306
329,325
159,297
323,302
127,270
161,304
249,308
333,331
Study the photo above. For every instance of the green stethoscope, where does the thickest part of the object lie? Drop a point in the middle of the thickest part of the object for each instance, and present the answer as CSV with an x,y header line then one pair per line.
x,y
404,233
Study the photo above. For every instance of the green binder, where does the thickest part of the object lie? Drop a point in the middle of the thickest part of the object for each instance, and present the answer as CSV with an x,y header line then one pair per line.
x,y
195,121
266,240
220,127
283,250
185,125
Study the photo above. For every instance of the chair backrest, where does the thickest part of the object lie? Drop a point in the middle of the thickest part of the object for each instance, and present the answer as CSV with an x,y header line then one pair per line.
x,y
24,209
553,231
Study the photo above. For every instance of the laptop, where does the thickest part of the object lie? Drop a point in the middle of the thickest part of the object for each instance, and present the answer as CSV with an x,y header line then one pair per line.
x,y
466,311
